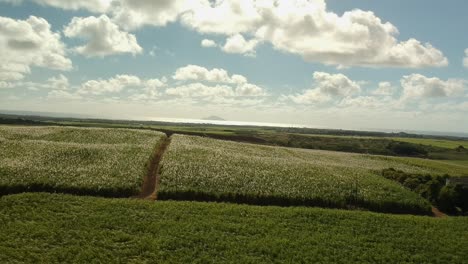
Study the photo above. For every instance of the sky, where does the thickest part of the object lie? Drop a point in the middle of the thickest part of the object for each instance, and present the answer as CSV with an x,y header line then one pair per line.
x,y
355,64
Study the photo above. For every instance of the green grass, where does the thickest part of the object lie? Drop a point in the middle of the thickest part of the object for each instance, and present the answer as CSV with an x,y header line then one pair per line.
x,y
50,228
462,163
196,168
441,143
107,162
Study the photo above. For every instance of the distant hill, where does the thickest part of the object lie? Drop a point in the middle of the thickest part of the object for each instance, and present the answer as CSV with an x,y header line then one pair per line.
x,y
214,118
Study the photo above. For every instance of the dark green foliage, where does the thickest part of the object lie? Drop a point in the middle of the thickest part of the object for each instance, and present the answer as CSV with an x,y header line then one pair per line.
x,y
45,228
451,199
407,149
448,198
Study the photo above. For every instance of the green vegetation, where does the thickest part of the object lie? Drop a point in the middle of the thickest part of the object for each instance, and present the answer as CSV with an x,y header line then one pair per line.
x,y
196,168
445,148
441,143
452,198
105,162
50,228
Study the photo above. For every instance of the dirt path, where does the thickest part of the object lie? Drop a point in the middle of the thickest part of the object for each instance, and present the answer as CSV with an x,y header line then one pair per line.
x,y
437,213
151,181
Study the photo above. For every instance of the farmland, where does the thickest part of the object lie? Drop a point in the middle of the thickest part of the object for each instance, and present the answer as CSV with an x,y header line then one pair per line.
x,y
112,162
53,228
105,162
377,143
441,143
206,169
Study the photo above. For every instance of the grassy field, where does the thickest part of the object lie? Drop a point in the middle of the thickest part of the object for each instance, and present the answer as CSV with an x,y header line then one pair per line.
x,y
50,228
449,144
107,162
461,163
196,168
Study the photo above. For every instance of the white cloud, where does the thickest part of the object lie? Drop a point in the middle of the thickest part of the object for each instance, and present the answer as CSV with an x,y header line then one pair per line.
x,y
150,91
6,85
141,89
248,89
420,86
112,85
384,89
368,102
308,29
200,90
26,43
63,95
131,14
465,60
238,44
226,85
208,43
336,84
303,27
214,93
104,37
199,73
310,96
359,38
59,83
327,86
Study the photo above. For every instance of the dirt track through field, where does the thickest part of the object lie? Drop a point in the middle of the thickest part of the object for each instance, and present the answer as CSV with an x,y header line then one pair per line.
x,y
437,213
151,181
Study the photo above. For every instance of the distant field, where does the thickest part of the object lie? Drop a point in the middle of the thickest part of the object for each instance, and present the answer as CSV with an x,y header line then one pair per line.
x,y
50,228
196,168
450,144
108,162
463,163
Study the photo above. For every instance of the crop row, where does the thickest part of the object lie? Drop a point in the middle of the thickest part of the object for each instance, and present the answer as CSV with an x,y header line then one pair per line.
x,y
196,168
105,162
52,228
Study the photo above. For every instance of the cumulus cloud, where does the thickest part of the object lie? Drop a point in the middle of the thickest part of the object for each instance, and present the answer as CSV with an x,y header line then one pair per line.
x,y
210,92
226,85
26,43
303,27
223,17
465,60
310,96
151,90
112,85
139,89
59,82
384,89
131,14
199,73
308,29
63,95
327,87
200,90
368,102
6,85
238,44
208,43
104,37
419,86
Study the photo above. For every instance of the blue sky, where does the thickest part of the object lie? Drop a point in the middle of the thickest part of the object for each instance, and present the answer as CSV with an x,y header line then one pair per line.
x,y
345,68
